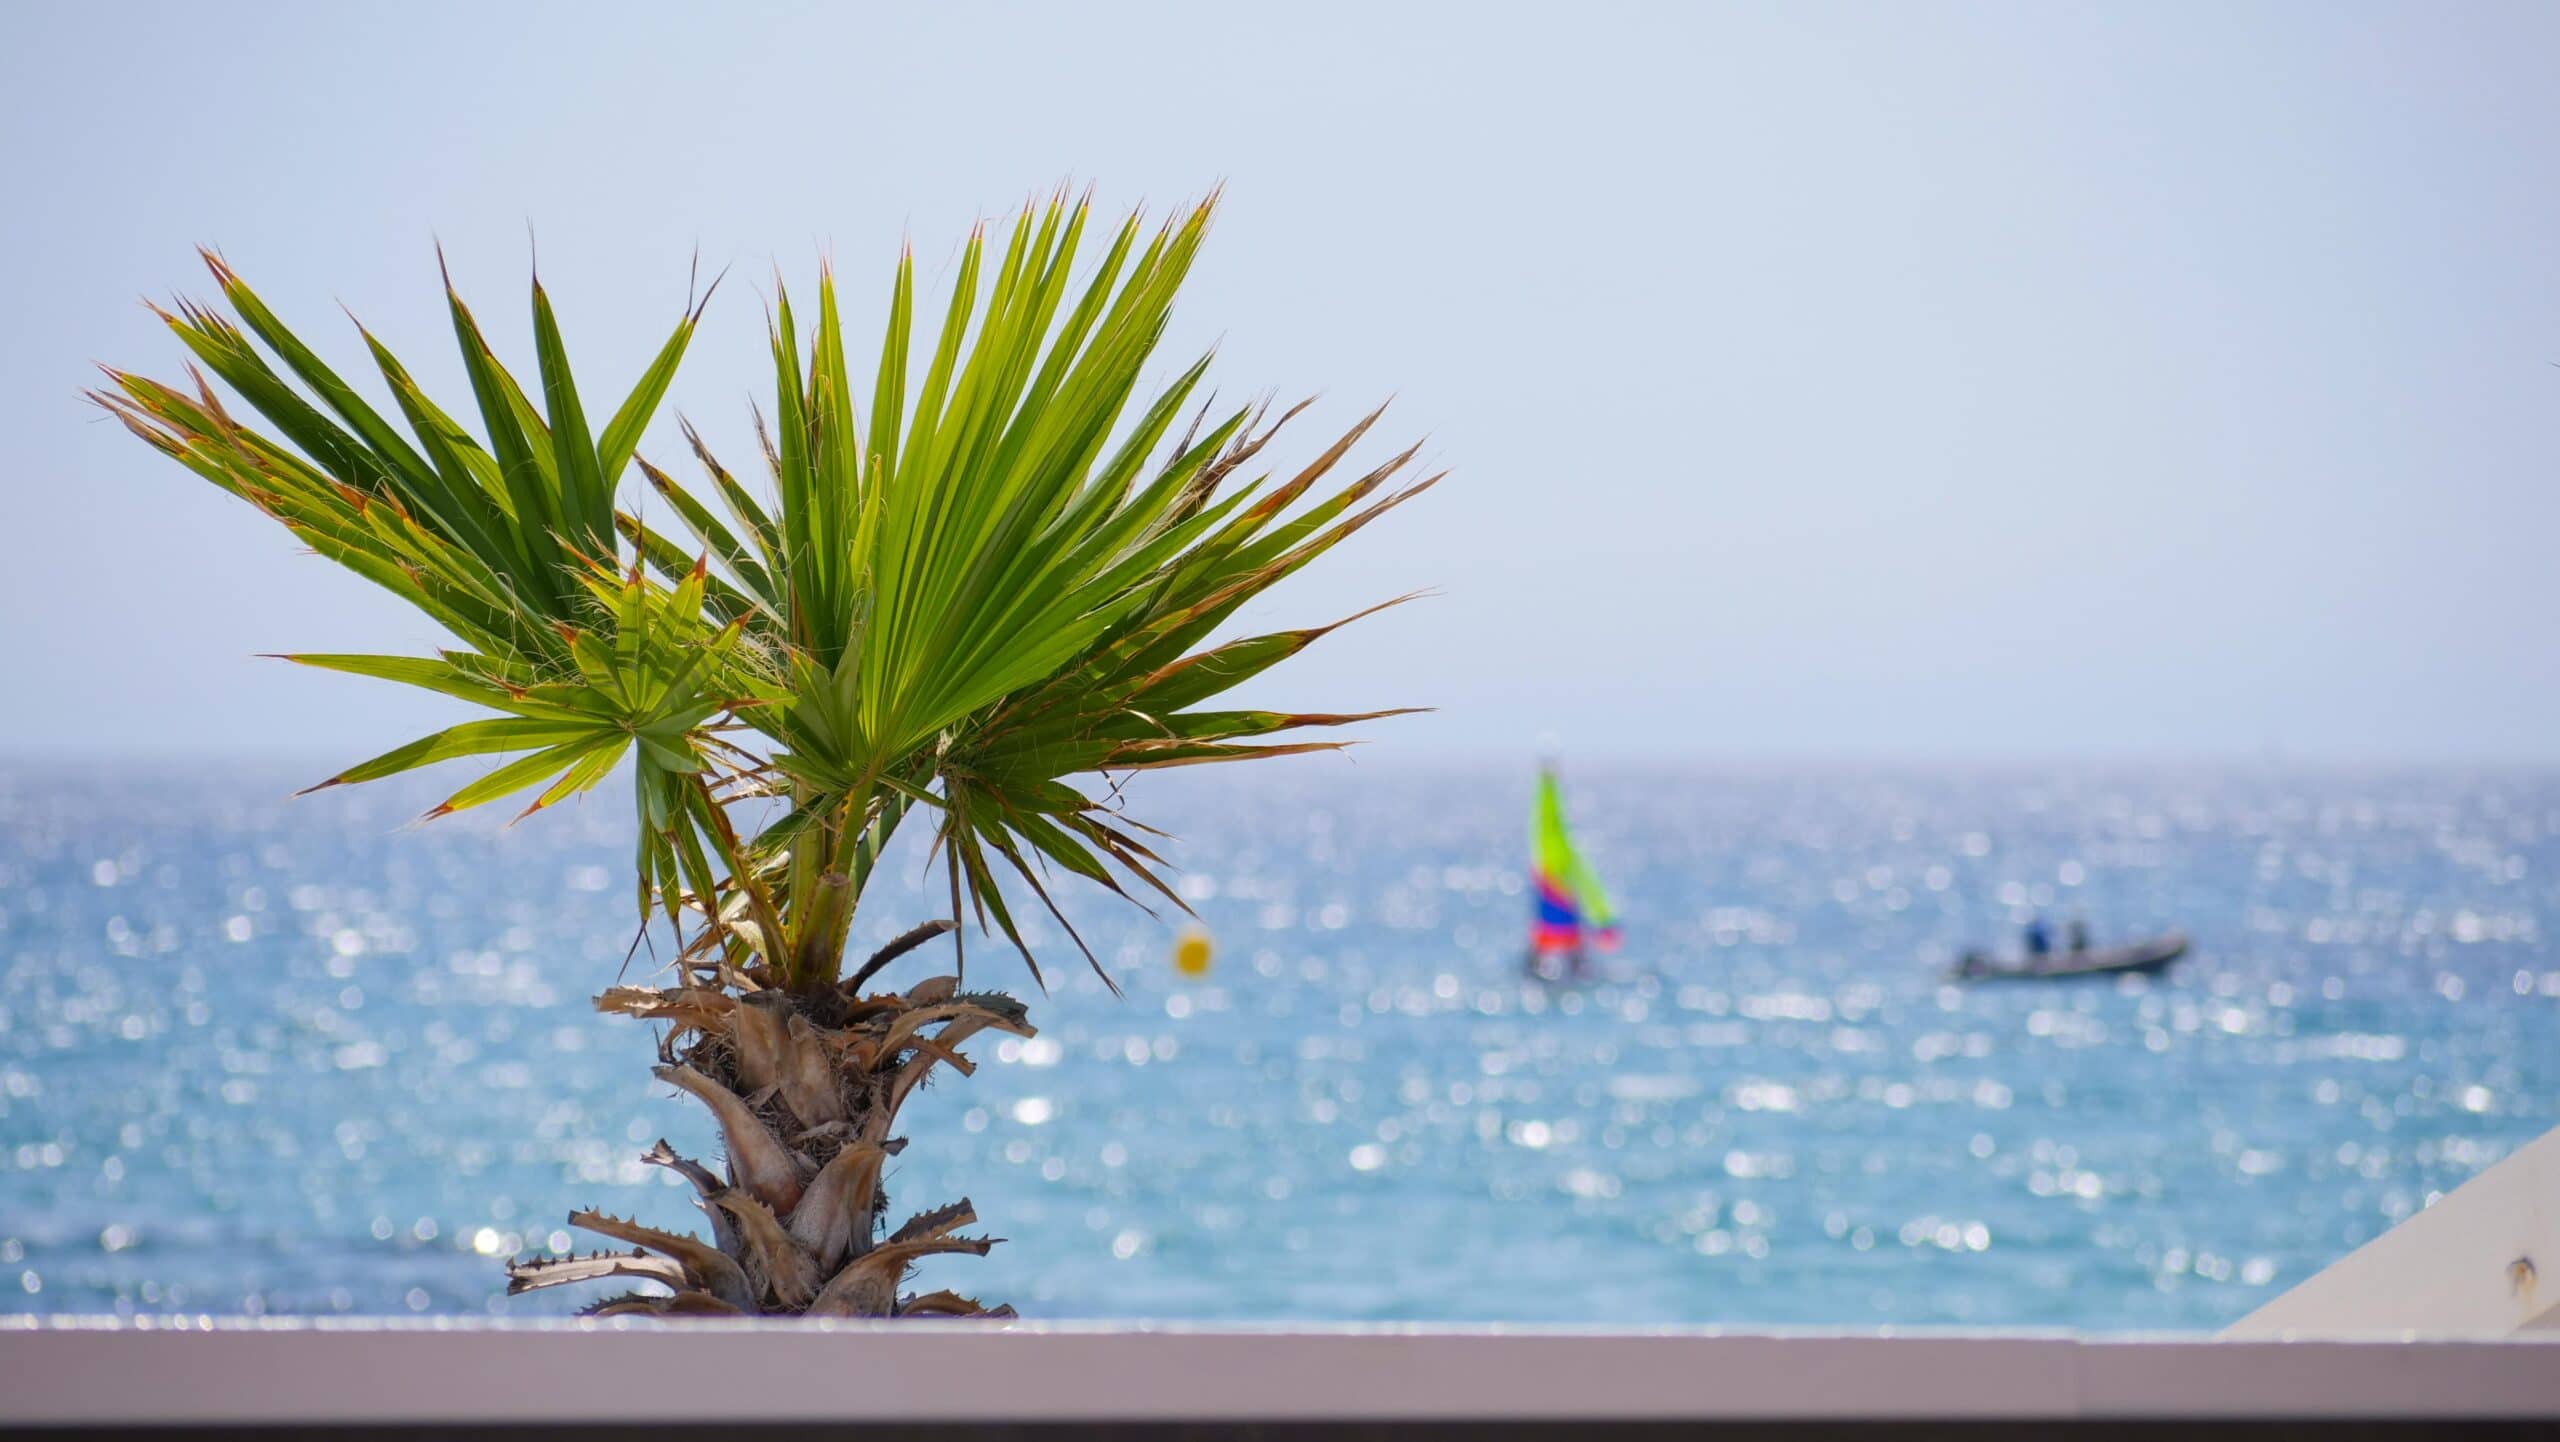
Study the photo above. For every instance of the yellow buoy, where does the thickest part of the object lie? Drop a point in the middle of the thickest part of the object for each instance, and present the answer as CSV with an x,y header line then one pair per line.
x,y
1191,952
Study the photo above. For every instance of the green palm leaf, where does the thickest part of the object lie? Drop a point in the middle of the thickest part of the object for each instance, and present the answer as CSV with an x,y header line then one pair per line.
x,y
1001,573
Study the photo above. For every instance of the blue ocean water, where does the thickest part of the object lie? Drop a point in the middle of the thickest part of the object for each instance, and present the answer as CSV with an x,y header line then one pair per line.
x,y
302,1056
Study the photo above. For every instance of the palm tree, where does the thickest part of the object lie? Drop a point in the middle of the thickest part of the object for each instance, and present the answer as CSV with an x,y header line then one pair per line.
x,y
1006,577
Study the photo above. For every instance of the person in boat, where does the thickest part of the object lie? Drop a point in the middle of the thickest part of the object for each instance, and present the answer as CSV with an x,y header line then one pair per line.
x,y
1972,963
2079,936
2039,940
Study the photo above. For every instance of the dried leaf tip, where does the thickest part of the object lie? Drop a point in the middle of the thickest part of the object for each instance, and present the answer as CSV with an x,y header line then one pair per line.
x,y
705,303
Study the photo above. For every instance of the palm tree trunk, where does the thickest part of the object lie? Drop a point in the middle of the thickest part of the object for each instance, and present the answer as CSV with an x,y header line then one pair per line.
x,y
805,1086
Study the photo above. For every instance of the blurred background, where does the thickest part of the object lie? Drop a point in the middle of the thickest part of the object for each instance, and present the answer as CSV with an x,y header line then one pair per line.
x,y
294,1056
1926,466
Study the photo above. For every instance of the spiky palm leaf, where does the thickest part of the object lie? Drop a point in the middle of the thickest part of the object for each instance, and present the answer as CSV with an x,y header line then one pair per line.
x,y
1002,572
997,582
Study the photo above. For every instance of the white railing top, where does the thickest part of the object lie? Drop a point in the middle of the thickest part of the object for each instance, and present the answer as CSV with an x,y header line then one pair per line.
x,y
83,1371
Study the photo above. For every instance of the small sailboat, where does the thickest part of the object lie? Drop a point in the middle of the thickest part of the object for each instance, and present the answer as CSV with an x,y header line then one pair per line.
x,y
1569,914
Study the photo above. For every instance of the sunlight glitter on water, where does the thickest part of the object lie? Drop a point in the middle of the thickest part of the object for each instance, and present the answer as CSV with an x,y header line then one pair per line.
x,y
302,1057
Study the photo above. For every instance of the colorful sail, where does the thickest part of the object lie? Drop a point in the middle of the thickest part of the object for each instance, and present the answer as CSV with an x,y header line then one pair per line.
x,y
1568,908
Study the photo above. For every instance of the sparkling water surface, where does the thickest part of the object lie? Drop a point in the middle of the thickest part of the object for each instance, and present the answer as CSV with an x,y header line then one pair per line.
x,y
302,1056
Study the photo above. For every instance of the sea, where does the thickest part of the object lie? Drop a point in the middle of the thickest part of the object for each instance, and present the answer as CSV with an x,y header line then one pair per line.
x,y
267,1055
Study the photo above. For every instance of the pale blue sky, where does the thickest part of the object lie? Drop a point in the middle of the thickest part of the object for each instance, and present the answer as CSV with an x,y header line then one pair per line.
x,y
1899,380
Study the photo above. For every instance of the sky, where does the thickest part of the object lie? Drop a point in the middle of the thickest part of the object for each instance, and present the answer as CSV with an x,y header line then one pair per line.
x,y
1879,381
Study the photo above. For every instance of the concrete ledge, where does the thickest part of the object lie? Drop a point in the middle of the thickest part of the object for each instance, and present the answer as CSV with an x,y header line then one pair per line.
x,y
398,1373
